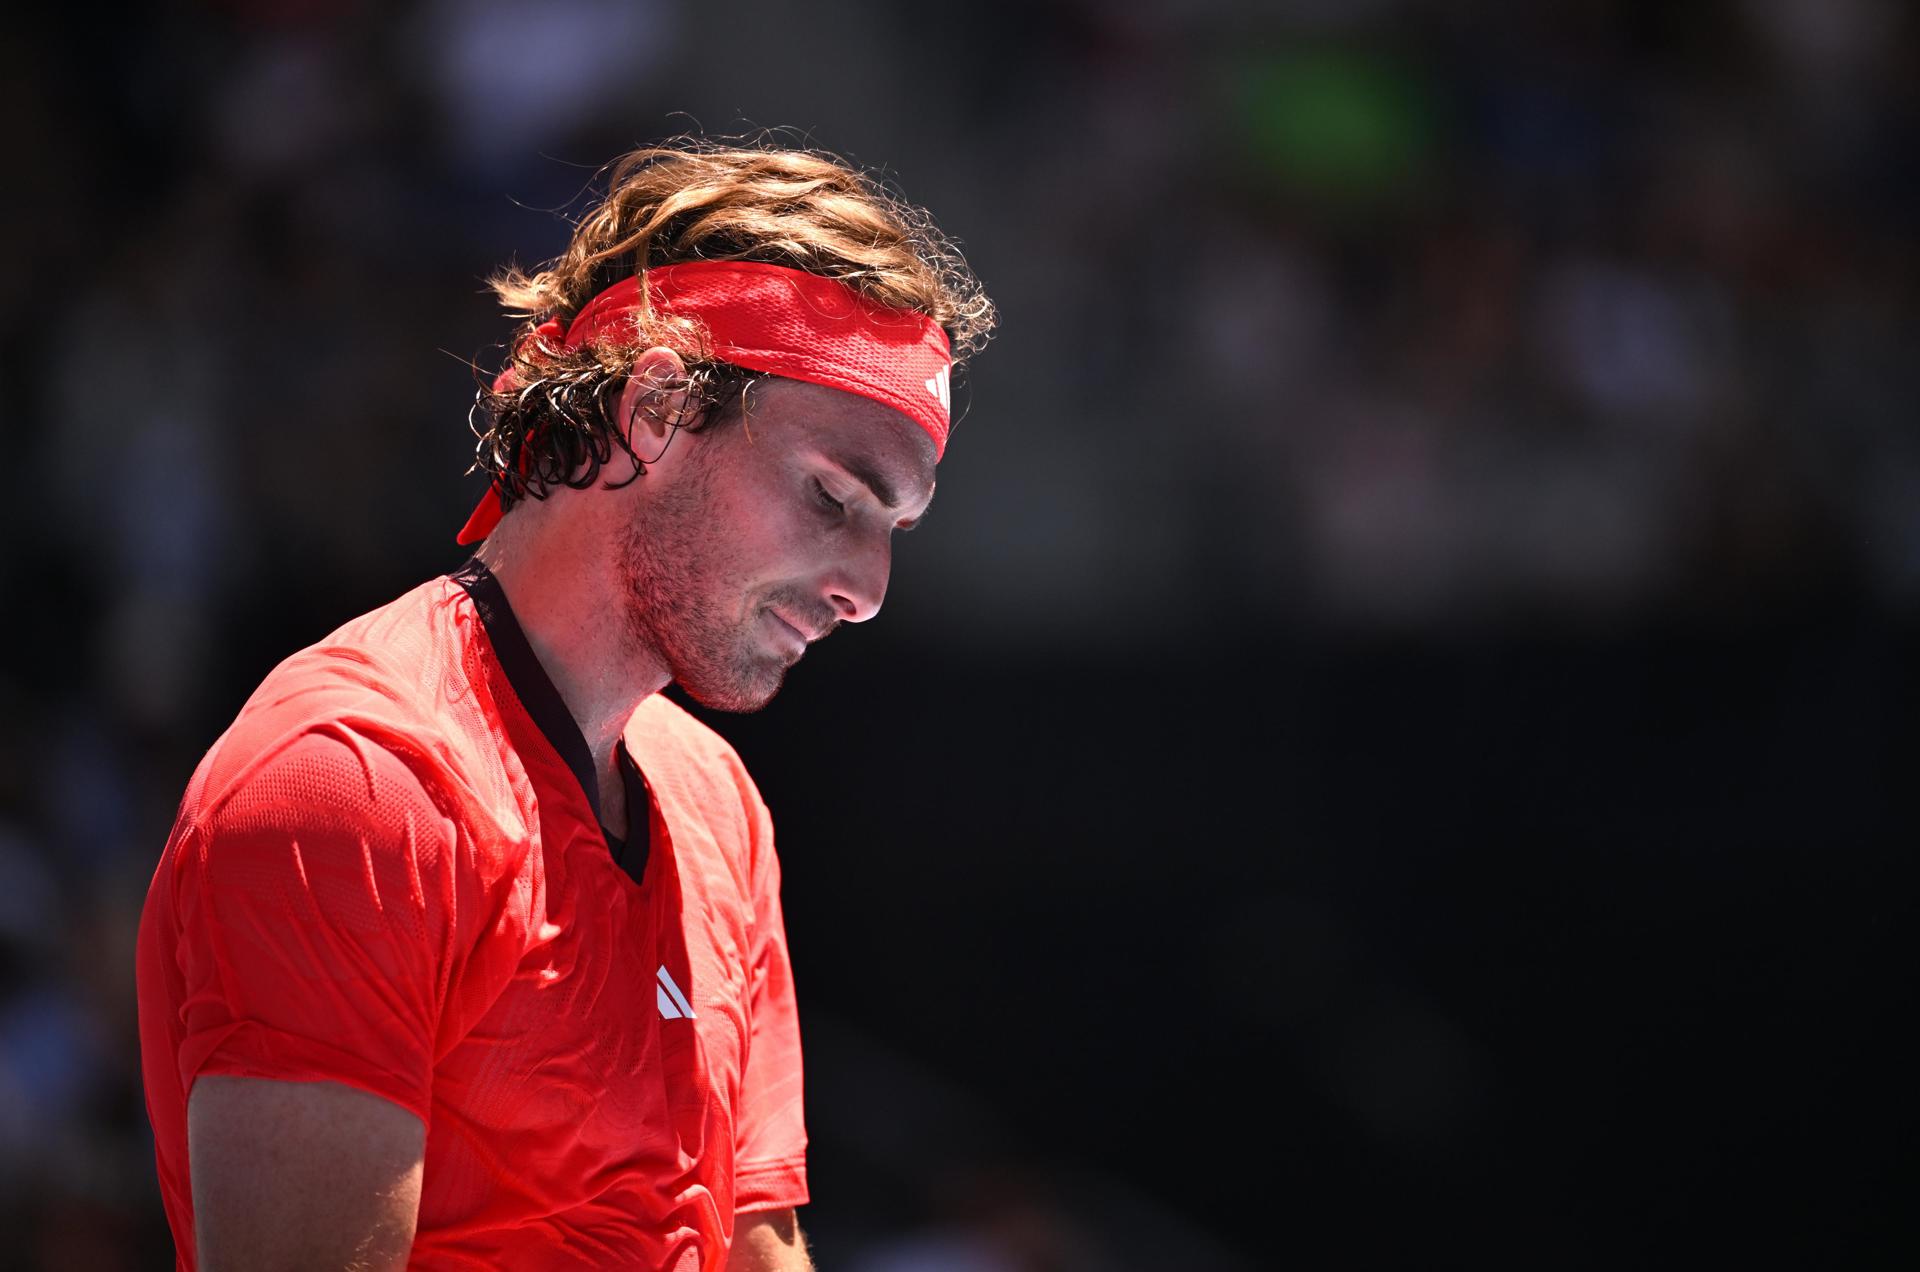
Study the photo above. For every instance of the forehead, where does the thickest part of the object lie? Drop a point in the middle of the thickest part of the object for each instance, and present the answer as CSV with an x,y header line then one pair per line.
x,y
844,426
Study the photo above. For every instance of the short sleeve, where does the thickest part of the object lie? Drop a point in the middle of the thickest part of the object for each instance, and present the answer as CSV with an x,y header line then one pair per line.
x,y
317,922
770,1156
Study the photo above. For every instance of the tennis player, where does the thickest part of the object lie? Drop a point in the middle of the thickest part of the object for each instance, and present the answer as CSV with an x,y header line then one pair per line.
x,y
466,949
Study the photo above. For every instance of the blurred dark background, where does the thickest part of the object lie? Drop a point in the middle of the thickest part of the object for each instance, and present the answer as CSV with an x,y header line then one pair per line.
x,y
1389,752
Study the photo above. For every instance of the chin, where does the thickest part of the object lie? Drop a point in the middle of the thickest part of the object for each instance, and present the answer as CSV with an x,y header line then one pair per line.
x,y
734,700
744,690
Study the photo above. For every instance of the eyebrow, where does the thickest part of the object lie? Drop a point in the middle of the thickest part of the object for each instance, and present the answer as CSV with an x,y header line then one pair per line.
x,y
876,481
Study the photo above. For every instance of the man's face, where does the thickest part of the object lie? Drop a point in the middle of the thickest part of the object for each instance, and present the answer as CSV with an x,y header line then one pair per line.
x,y
755,536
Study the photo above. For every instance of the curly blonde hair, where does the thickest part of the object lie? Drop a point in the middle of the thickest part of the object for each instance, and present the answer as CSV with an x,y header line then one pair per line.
x,y
551,421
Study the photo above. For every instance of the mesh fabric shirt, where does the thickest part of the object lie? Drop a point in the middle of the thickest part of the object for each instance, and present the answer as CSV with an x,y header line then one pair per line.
x,y
390,872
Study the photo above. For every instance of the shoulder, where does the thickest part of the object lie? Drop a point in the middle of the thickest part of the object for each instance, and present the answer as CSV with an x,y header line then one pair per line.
x,y
366,726
362,832
393,661
323,773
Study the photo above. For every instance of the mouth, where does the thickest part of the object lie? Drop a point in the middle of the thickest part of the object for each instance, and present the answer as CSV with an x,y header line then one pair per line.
x,y
806,631
789,637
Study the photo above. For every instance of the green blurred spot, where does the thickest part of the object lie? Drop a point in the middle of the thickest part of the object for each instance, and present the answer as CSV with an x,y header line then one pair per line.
x,y
1341,125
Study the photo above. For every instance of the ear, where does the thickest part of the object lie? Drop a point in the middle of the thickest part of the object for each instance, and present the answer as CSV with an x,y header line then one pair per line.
x,y
649,408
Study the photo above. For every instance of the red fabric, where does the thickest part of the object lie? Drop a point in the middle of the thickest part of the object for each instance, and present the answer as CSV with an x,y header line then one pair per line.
x,y
384,875
782,321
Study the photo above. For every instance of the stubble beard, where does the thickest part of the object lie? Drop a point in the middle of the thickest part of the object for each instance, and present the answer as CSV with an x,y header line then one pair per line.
x,y
669,566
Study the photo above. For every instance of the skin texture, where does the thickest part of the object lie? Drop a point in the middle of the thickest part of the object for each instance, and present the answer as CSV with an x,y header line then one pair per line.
x,y
740,544
768,1242
299,1175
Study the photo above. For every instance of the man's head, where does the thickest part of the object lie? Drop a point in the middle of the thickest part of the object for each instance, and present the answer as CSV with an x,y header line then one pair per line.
x,y
767,504
766,530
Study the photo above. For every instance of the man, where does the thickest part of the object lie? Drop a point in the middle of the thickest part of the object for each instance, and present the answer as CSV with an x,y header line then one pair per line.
x,y
466,949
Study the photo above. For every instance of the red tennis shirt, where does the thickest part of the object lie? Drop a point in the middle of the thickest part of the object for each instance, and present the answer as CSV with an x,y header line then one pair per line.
x,y
390,872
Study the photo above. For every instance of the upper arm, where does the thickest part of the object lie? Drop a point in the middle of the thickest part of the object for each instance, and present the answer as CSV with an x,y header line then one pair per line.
x,y
324,930
316,919
301,1175
768,1241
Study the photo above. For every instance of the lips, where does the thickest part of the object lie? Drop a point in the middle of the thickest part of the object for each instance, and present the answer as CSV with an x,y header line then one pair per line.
x,y
806,631
787,635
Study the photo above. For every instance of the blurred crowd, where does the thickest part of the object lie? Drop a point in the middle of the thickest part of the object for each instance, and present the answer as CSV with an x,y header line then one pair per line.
x,y
1377,315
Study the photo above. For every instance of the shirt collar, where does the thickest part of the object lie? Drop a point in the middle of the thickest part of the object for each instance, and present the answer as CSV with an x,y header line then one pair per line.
x,y
530,680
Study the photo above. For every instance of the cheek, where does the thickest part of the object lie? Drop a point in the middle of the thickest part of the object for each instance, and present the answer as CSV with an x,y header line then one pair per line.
x,y
759,537
770,515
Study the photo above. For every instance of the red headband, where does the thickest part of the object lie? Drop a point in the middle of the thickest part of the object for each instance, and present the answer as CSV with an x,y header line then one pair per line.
x,y
782,321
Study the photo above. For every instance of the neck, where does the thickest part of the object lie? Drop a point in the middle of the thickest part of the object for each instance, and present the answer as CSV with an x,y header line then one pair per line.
x,y
568,597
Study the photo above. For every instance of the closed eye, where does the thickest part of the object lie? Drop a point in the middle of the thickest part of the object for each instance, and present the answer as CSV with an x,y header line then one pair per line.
x,y
827,500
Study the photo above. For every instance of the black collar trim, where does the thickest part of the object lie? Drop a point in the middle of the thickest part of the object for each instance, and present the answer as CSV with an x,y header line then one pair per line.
x,y
550,715
631,854
530,681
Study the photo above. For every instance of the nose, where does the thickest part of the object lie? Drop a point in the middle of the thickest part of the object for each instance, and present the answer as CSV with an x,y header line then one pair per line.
x,y
857,587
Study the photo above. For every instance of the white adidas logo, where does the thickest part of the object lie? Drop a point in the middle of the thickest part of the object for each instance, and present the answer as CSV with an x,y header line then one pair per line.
x,y
673,1003
937,385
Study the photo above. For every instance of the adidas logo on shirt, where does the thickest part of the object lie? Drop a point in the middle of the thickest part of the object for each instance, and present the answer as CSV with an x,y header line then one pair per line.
x,y
673,1003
